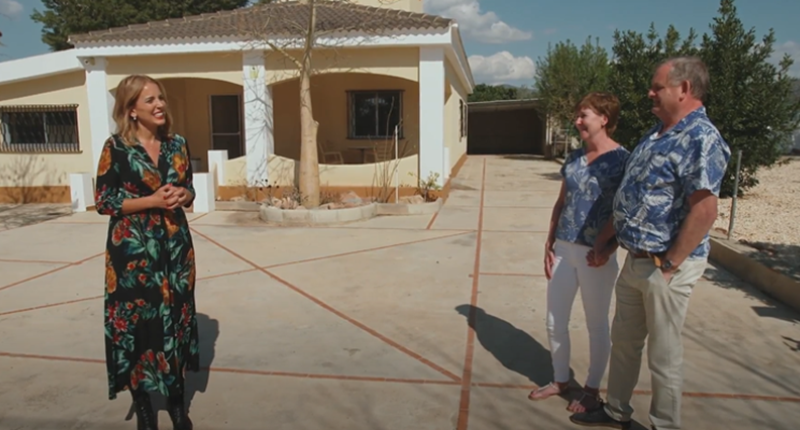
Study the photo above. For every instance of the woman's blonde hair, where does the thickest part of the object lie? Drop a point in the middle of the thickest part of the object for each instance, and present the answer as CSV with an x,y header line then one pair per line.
x,y
127,94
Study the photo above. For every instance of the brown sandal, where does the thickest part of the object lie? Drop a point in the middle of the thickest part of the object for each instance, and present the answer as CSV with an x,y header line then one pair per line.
x,y
554,389
587,402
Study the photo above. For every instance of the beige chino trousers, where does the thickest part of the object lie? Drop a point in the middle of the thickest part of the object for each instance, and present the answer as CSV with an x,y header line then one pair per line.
x,y
648,305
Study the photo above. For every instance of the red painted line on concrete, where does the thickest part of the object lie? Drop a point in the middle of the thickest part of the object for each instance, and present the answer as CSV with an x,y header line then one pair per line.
x,y
433,218
336,312
76,222
69,302
501,207
361,251
466,377
6,260
52,305
198,217
57,269
727,396
516,231
332,377
51,358
214,369
526,275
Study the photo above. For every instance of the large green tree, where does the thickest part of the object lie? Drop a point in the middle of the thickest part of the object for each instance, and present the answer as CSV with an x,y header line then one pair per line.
x,y
566,74
635,57
61,18
486,93
751,99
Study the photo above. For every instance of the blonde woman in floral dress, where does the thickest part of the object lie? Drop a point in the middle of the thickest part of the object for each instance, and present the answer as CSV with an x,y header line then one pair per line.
x,y
144,182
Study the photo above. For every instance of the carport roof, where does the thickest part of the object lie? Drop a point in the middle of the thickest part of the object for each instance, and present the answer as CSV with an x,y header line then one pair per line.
x,y
534,103
278,19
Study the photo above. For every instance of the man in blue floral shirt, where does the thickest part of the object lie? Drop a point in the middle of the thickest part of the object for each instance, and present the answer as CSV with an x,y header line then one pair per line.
x,y
663,211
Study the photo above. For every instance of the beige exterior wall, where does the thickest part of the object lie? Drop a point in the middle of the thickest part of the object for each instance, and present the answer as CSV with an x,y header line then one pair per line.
x,y
330,106
398,62
190,80
47,169
190,101
225,67
454,94
338,71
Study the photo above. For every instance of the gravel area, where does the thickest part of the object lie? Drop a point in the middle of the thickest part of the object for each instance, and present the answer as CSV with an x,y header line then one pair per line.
x,y
767,217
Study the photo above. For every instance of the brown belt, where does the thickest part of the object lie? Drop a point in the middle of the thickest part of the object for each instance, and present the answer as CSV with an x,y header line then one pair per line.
x,y
646,254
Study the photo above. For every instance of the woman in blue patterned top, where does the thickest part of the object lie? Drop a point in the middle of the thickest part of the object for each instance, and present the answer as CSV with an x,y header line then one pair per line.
x,y
591,176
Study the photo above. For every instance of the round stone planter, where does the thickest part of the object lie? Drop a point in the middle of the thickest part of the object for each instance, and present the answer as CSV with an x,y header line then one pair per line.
x,y
409,209
275,215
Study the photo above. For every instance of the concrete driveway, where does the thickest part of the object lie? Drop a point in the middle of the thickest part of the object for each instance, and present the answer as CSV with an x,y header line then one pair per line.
x,y
400,323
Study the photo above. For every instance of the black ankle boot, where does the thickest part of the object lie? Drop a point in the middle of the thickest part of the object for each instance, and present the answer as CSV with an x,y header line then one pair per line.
x,y
145,417
177,412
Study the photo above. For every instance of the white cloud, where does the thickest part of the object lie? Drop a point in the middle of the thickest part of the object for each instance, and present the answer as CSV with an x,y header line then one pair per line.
x,y
11,8
789,47
501,67
475,24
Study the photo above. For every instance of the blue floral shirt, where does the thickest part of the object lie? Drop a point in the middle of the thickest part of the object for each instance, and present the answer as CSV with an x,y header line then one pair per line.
x,y
590,189
663,171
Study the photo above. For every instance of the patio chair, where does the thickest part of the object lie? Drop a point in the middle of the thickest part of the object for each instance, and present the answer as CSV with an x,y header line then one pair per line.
x,y
325,152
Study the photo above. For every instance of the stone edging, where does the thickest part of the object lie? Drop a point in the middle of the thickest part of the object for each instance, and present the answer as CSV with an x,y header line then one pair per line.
x,y
274,215
733,258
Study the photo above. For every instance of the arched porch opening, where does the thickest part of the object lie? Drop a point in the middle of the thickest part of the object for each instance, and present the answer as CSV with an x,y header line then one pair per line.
x,y
209,114
357,114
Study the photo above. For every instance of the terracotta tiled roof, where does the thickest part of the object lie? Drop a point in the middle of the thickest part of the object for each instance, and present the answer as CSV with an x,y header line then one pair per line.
x,y
279,19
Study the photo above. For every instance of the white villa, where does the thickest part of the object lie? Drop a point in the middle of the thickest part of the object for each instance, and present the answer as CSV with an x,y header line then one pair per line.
x,y
379,68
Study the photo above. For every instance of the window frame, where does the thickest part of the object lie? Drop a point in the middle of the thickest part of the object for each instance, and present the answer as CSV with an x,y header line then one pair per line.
x,y
351,118
7,147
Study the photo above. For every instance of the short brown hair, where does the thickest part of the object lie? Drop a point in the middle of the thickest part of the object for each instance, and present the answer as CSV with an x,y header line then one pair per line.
x,y
602,103
127,94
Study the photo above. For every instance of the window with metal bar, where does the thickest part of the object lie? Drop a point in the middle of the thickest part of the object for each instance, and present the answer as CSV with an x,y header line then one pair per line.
x,y
374,114
39,128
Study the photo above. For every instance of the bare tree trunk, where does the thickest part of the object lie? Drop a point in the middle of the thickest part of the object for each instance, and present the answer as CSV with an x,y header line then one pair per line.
x,y
309,162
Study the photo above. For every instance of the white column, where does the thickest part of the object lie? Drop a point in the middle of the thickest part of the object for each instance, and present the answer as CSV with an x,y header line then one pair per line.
x,y
257,117
431,113
216,164
100,121
81,191
205,196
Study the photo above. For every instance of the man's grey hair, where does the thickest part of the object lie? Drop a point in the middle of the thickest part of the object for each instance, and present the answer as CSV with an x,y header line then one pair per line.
x,y
691,69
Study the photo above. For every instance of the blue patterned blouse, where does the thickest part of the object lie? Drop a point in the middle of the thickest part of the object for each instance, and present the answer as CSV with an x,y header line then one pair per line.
x,y
590,189
663,171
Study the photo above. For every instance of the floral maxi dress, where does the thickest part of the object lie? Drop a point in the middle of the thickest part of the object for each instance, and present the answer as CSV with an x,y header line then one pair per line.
x,y
150,326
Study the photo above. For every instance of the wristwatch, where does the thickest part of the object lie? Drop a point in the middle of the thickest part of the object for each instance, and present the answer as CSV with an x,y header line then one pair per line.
x,y
664,264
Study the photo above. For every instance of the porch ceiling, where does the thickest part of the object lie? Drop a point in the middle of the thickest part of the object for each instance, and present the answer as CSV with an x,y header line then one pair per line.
x,y
279,19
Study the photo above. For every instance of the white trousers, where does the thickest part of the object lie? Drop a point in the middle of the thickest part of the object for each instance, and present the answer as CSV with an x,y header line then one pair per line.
x,y
570,272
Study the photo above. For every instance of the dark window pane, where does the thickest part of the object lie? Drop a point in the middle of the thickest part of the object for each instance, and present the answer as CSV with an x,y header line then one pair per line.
x,y
375,114
231,143
48,130
25,127
388,113
60,127
225,114
364,114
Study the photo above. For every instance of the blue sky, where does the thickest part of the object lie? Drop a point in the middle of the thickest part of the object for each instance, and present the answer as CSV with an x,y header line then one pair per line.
x,y
504,38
